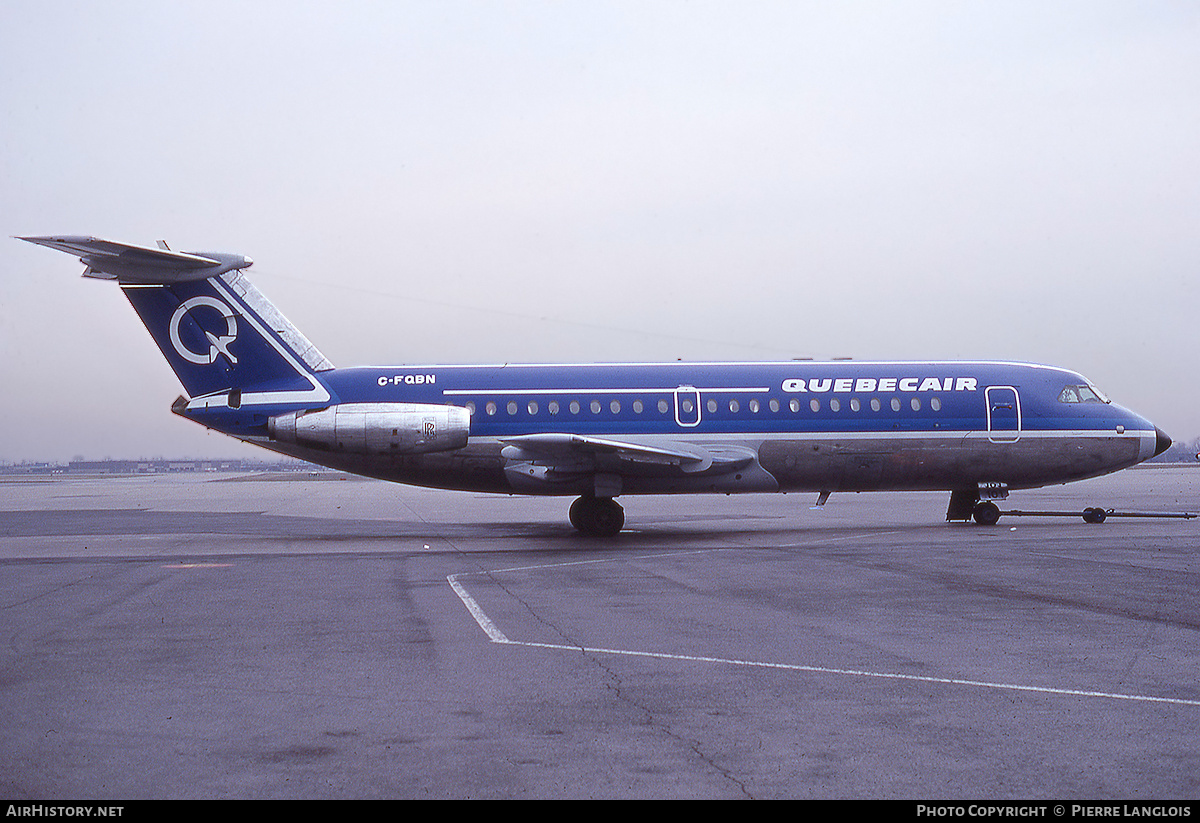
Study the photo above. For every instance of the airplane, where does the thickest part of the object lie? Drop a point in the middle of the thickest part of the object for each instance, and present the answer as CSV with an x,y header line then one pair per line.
x,y
976,429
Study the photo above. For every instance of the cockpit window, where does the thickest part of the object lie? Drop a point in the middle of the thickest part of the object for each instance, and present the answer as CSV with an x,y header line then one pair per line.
x,y
1081,394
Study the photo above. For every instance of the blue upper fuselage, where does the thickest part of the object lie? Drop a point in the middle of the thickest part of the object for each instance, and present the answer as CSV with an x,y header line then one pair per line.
x,y
744,398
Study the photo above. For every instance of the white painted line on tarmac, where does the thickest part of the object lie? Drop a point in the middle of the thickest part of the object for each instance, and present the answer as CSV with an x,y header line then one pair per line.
x,y
948,681
496,636
485,622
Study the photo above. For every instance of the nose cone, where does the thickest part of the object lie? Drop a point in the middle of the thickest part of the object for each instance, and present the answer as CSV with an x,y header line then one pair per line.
x,y
1161,441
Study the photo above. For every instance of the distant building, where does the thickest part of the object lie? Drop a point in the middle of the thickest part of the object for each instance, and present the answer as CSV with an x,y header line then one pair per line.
x,y
158,466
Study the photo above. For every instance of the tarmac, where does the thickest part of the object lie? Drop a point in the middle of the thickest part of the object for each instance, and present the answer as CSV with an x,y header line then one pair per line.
x,y
320,636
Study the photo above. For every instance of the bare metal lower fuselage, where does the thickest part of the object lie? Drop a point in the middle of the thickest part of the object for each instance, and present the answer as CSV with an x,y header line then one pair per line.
x,y
781,464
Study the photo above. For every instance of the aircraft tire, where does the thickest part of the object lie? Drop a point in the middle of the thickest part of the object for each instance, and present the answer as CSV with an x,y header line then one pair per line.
x,y
576,513
986,513
597,516
1094,515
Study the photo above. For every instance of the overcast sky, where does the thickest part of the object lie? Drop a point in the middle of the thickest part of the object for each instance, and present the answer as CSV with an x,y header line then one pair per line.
x,y
455,182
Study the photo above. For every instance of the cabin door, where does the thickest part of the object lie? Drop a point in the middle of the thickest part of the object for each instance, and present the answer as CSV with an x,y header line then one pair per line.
x,y
1003,414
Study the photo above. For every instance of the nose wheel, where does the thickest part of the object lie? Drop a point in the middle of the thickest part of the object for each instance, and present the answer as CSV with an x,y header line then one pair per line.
x,y
597,516
986,513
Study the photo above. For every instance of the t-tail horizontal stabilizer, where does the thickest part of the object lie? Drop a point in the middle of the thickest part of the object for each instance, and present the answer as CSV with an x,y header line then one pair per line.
x,y
127,263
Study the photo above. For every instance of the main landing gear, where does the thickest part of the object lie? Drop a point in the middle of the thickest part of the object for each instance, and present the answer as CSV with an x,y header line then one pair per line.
x,y
597,516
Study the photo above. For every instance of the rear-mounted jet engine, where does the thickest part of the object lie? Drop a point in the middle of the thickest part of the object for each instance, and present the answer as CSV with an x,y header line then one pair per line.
x,y
375,428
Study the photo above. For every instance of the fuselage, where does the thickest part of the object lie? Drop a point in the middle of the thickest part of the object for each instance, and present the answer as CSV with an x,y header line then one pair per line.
x,y
790,426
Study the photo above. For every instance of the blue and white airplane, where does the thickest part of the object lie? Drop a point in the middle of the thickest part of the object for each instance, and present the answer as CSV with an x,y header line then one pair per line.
x,y
595,432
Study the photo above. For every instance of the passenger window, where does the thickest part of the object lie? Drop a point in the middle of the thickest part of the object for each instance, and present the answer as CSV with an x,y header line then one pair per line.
x,y
895,404
935,403
615,407
794,405
490,408
814,404
638,406
875,405
712,406
754,407
574,407
533,407
663,407
854,404
512,406
835,405
733,406
774,405
552,406
595,407
915,403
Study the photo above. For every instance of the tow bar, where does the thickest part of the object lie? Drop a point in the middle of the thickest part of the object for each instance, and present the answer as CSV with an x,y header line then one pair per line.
x,y
1096,514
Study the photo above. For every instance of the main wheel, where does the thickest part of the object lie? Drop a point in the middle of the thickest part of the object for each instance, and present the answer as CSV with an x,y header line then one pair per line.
x,y
597,516
986,513
579,514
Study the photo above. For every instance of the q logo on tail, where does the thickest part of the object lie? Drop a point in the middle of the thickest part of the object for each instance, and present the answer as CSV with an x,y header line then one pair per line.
x,y
217,345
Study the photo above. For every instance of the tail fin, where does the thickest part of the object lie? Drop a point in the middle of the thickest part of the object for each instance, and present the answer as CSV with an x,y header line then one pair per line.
x,y
221,333
216,330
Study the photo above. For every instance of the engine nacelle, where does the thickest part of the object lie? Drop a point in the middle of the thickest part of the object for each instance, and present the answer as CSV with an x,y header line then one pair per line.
x,y
375,428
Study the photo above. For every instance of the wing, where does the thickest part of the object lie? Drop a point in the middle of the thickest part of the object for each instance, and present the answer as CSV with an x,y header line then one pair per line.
x,y
541,462
586,452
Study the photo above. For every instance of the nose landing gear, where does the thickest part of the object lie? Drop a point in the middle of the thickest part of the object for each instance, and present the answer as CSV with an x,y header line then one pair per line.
x,y
986,513
966,504
977,504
